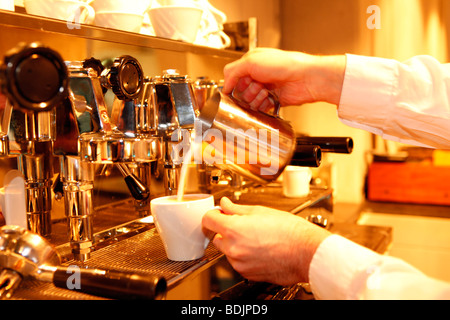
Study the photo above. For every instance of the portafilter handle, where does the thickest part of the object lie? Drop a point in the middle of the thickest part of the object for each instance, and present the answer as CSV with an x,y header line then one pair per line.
x,y
105,283
24,254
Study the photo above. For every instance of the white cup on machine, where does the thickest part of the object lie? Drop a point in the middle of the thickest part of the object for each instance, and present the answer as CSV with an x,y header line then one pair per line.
x,y
296,181
67,10
179,224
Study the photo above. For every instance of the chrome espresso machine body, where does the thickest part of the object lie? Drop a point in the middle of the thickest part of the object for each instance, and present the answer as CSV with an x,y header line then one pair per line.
x,y
56,113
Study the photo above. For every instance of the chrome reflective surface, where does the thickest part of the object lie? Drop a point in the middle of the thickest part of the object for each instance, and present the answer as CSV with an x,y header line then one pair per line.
x,y
23,251
254,144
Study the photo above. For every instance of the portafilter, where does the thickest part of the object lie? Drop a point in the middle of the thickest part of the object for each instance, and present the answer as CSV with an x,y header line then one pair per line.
x,y
24,254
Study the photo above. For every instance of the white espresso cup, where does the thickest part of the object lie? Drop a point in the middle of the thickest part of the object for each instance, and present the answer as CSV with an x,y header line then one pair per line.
x,y
125,21
7,5
179,224
125,6
296,181
176,23
68,10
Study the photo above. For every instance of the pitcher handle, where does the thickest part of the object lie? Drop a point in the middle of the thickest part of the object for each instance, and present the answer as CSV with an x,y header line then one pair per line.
x,y
276,104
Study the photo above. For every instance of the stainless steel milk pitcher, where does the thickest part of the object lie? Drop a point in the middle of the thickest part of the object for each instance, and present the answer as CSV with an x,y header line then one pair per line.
x,y
255,144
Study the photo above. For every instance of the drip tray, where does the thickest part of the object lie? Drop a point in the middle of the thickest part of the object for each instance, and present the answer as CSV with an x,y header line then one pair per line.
x,y
141,253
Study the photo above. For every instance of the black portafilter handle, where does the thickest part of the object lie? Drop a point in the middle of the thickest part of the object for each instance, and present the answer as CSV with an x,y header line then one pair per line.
x,y
307,156
138,190
328,144
34,77
112,284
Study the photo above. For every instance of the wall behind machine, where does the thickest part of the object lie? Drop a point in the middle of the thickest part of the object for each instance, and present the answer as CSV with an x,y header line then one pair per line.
x,y
407,28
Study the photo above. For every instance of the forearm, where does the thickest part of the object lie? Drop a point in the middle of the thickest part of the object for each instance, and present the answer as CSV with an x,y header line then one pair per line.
x,y
326,78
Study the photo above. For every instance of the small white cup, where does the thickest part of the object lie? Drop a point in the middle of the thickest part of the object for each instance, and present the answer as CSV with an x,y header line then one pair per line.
x,y
176,23
179,224
125,6
178,3
12,199
131,22
296,181
68,10
7,5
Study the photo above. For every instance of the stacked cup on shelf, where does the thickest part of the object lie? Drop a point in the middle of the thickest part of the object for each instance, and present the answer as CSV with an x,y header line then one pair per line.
x,y
127,15
7,5
191,21
176,19
72,11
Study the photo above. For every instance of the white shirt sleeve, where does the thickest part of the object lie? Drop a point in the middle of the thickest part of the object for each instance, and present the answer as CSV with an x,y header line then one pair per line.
x,y
407,102
342,269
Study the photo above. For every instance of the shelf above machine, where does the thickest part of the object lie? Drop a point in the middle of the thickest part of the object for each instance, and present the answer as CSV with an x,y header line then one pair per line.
x,y
27,21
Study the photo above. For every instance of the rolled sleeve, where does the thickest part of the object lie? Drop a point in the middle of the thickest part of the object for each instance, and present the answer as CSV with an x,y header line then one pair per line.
x,y
368,90
335,266
401,101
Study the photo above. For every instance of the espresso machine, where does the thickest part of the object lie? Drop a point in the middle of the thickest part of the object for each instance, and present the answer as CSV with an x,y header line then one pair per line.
x,y
56,113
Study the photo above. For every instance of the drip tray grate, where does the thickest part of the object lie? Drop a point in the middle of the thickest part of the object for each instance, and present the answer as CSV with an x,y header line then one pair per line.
x,y
141,253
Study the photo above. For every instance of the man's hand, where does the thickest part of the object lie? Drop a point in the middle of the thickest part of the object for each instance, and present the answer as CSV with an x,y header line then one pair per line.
x,y
264,244
294,77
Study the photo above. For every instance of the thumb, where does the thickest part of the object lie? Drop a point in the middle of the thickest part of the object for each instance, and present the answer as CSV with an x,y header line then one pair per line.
x,y
230,208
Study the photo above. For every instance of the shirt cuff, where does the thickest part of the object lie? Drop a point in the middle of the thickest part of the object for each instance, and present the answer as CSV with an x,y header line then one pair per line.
x,y
335,266
367,92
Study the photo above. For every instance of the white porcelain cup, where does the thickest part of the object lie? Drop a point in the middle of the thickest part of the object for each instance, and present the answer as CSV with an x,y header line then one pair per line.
x,y
296,181
68,10
175,22
12,199
125,6
179,224
7,5
131,22
211,28
178,3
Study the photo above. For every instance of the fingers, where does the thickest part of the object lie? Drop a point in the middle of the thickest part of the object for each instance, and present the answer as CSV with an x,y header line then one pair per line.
x,y
232,73
266,105
240,69
254,94
219,221
218,242
215,221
